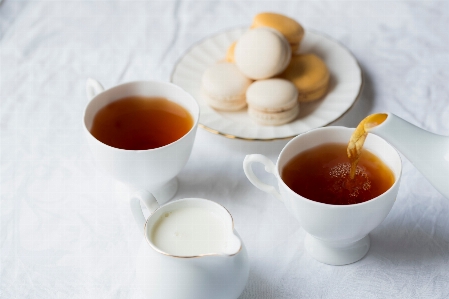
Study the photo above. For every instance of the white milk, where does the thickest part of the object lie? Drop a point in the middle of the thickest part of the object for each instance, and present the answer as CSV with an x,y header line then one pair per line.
x,y
189,232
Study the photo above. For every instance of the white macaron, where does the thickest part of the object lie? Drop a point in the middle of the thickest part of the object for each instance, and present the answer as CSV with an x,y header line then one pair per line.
x,y
262,53
224,87
272,102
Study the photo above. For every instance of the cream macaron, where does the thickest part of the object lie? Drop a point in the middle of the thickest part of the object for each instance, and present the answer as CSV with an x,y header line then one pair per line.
x,y
224,87
272,102
262,53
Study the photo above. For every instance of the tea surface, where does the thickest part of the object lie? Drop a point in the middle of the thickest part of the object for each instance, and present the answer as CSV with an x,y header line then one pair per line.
x,y
322,174
141,123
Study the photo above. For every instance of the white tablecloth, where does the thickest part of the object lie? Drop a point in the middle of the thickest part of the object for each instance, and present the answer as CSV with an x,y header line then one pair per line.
x,y
66,229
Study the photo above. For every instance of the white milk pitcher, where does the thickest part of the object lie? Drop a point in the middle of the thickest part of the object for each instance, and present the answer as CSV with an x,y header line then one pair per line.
x,y
190,251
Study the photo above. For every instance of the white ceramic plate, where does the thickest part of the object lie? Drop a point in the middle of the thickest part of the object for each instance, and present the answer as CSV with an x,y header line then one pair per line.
x,y
345,87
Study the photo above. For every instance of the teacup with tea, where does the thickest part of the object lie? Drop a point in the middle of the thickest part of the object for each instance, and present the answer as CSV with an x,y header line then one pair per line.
x,y
335,209
141,133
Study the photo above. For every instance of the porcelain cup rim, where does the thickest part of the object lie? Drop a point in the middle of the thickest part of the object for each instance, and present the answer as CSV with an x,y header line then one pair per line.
x,y
325,205
131,83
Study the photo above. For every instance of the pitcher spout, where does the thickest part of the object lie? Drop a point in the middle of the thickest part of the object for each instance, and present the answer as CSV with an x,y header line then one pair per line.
x,y
427,151
233,245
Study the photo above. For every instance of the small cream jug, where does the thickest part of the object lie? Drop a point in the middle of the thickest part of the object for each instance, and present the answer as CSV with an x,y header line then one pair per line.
x,y
218,275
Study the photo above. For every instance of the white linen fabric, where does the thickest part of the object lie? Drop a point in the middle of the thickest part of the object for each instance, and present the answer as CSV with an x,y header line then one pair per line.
x,y
66,229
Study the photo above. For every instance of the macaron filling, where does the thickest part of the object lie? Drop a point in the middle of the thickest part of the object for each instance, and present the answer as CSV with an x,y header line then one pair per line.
x,y
274,118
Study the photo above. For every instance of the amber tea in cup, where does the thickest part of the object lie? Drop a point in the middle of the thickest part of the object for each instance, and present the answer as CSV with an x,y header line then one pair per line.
x,y
322,174
141,123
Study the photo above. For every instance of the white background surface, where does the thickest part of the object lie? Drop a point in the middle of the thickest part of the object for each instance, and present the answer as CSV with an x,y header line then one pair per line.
x,y
66,230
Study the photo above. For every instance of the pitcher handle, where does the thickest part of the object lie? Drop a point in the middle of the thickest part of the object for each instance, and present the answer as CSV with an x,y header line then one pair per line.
x,y
148,200
93,87
269,167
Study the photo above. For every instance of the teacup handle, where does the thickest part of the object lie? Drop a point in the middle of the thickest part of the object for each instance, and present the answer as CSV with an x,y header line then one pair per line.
x,y
269,167
148,200
93,87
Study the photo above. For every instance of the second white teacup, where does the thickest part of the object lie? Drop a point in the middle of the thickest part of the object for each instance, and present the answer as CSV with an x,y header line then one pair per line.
x,y
154,170
336,234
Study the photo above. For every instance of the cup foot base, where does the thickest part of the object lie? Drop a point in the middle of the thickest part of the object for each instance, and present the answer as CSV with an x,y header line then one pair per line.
x,y
166,192
336,255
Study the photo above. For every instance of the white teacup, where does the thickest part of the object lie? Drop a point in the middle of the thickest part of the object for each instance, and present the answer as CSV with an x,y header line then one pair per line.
x,y
336,235
154,170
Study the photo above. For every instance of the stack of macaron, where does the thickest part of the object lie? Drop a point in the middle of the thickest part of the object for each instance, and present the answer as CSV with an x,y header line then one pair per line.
x,y
263,71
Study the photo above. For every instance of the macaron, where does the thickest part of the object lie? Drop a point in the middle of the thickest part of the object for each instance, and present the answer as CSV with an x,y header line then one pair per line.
x,y
224,87
291,29
272,102
310,75
230,53
262,53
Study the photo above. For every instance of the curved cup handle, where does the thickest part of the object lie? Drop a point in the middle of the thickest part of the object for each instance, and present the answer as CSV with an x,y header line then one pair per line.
x,y
148,200
269,167
93,87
